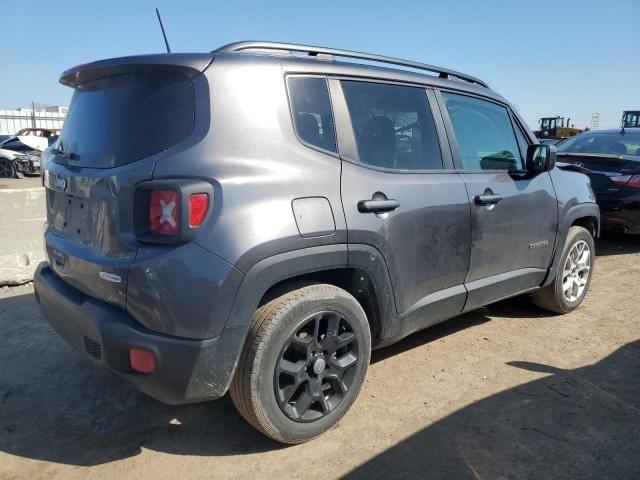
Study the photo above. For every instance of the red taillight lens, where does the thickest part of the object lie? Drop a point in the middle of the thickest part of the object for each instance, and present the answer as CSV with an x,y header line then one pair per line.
x,y
163,212
198,204
141,360
634,181
627,180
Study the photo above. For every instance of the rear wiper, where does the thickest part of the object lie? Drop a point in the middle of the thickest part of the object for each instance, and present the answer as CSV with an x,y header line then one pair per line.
x,y
70,156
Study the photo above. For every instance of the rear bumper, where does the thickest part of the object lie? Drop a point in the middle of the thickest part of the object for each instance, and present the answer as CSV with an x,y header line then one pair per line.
x,y
621,213
185,370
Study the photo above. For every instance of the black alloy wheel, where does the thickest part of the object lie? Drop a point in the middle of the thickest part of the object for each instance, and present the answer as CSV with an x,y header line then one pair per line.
x,y
317,367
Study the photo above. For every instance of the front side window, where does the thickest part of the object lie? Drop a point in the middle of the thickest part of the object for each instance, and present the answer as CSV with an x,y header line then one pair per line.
x,y
311,110
393,126
483,132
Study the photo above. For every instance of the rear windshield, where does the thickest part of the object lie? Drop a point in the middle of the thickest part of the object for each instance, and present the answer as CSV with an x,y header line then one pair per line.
x,y
123,118
607,143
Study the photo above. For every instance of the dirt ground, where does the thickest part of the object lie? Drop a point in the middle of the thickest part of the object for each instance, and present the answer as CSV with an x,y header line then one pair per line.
x,y
505,392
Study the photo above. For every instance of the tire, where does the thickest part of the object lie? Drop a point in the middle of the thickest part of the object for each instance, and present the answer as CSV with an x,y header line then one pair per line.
x,y
7,168
553,297
283,335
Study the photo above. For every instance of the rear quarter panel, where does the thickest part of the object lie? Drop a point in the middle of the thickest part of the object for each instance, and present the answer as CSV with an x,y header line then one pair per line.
x,y
256,165
572,188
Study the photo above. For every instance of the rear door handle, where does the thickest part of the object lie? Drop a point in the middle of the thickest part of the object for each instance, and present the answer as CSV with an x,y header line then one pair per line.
x,y
377,206
487,199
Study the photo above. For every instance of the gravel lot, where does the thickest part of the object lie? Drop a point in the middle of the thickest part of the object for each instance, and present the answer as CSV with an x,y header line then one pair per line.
x,y
503,392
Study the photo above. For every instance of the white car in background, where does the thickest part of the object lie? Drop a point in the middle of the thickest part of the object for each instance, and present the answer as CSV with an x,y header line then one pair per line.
x,y
20,154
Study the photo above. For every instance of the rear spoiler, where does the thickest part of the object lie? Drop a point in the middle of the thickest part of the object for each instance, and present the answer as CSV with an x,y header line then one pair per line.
x,y
573,167
608,156
190,63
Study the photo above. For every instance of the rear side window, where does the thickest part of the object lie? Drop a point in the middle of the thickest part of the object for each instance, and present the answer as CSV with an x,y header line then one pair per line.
x,y
484,133
311,110
123,118
393,126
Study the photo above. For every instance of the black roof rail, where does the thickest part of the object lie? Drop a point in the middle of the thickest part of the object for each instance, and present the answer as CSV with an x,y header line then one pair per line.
x,y
314,51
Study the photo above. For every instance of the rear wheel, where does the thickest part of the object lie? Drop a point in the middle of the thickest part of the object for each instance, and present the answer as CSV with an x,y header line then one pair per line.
x,y
303,363
573,276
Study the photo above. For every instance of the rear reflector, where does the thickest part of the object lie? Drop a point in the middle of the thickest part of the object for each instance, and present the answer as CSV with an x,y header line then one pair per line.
x,y
141,360
198,204
615,218
163,212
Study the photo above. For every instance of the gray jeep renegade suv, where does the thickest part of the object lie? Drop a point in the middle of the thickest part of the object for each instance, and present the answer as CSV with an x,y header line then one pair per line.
x,y
258,218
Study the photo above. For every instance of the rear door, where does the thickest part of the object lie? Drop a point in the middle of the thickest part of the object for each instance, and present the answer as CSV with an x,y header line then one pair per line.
x,y
401,196
121,119
513,215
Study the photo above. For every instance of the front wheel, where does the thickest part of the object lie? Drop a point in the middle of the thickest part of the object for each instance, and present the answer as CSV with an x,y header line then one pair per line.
x,y
7,168
303,364
573,276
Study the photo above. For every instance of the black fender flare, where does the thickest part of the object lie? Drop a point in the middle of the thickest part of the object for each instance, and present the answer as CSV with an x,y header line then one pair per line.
x,y
272,270
581,210
258,279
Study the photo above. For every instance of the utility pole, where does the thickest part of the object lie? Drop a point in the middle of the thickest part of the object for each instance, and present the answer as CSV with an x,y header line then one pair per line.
x,y
33,114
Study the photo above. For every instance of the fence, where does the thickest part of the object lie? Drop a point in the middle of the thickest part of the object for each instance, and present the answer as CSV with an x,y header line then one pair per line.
x,y
13,120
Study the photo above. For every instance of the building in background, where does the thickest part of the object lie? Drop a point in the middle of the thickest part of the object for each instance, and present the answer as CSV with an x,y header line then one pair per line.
x,y
34,116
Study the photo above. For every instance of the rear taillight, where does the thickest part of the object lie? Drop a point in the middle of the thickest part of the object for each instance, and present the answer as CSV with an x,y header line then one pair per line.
x,y
198,205
171,211
163,212
632,181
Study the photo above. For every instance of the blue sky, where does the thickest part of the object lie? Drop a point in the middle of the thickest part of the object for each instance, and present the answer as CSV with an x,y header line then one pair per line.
x,y
561,57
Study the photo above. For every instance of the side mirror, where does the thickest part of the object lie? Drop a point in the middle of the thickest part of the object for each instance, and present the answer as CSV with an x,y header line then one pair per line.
x,y
541,158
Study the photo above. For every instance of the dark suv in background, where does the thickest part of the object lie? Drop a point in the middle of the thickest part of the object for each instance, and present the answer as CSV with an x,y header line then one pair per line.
x,y
258,218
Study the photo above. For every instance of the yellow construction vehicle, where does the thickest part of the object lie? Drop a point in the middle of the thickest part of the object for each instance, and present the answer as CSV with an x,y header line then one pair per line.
x,y
631,119
556,127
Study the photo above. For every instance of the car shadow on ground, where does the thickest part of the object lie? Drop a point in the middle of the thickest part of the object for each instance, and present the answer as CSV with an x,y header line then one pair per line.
x,y
56,406
582,423
612,243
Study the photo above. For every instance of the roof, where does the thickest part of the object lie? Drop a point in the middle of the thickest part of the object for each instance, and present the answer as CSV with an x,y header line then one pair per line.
x,y
311,59
334,52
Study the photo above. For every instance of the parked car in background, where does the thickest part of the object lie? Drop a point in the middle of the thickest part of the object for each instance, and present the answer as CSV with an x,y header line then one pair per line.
x,y
20,155
283,213
549,141
611,158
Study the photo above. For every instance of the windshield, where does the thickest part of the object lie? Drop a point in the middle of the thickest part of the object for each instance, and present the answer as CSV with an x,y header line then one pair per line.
x,y
123,118
606,143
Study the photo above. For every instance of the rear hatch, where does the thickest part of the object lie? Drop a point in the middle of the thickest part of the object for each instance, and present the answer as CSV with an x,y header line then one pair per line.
x,y
608,173
124,115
